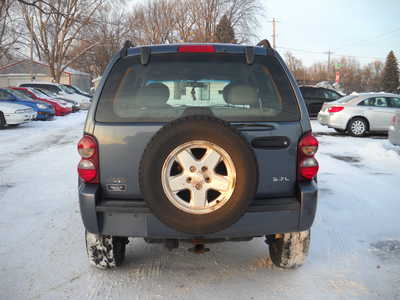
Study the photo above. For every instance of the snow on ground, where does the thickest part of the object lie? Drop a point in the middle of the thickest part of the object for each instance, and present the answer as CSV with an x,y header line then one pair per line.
x,y
355,250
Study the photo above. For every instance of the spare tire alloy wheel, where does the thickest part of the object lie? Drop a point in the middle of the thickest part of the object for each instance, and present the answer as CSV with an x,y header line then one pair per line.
x,y
189,175
199,187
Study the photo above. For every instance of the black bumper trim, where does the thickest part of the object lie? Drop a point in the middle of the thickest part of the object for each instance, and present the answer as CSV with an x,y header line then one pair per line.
x,y
132,218
139,206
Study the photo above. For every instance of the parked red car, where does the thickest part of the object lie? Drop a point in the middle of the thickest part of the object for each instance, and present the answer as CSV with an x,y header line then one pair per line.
x,y
59,108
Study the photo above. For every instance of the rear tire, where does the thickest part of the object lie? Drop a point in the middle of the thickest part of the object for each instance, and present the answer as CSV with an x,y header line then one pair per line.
x,y
3,122
105,251
289,250
358,127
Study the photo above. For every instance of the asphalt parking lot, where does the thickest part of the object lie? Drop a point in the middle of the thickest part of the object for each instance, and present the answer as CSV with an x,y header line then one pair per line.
x,y
355,246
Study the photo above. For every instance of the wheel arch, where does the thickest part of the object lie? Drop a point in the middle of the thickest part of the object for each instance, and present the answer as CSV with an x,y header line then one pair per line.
x,y
358,117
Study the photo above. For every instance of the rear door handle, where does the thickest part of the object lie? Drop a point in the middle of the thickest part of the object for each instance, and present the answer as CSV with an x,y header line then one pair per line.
x,y
271,142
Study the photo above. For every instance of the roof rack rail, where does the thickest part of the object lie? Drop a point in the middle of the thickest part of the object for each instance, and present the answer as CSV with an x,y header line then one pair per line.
x,y
124,50
264,43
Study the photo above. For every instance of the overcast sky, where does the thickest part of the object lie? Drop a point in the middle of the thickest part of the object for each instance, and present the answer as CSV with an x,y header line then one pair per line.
x,y
366,29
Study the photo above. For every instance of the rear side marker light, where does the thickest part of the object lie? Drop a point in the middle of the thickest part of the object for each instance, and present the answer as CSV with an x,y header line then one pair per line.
x,y
307,165
309,168
197,49
88,167
334,109
87,170
309,145
87,147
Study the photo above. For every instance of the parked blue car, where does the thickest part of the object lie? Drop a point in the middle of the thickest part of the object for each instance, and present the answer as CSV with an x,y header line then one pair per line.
x,y
44,111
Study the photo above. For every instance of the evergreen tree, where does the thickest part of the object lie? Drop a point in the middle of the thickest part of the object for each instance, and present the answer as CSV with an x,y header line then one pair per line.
x,y
390,80
224,32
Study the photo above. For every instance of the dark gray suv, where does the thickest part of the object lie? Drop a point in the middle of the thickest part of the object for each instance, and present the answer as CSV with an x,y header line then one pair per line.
x,y
199,143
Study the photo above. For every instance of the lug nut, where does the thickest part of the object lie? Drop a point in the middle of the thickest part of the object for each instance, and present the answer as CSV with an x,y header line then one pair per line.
x,y
198,186
204,168
192,169
208,179
189,180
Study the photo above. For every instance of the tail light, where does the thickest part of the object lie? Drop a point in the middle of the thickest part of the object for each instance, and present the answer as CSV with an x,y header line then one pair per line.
x,y
88,167
308,165
334,109
197,49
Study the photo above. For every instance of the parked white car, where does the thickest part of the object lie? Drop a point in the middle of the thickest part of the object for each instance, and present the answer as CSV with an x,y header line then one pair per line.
x,y
358,114
61,91
15,114
394,130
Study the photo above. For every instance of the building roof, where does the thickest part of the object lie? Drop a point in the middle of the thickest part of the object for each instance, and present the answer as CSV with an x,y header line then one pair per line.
x,y
24,66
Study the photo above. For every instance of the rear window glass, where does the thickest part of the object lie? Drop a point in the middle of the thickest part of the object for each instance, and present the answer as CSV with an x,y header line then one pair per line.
x,y
346,99
174,85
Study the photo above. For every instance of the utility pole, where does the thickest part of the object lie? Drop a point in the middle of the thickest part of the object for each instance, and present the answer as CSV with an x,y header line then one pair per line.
x,y
31,47
274,21
329,63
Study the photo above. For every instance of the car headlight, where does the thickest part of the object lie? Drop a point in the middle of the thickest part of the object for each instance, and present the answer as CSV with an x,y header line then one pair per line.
x,y
41,106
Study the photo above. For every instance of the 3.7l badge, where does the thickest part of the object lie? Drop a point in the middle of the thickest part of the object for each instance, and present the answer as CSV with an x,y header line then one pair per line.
x,y
117,187
280,179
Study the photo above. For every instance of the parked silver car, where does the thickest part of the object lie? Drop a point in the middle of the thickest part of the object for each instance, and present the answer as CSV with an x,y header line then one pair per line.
x,y
358,114
394,130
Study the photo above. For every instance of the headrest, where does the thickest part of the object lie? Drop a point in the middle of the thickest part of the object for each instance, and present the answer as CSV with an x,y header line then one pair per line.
x,y
240,94
153,95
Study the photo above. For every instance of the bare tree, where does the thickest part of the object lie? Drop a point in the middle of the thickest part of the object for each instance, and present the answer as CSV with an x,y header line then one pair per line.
x,y
55,33
108,30
168,21
154,22
295,65
9,33
243,16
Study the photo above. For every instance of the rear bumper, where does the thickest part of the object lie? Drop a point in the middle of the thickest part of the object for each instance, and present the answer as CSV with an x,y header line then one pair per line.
x,y
44,115
134,219
394,135
333,120
84,105
14,119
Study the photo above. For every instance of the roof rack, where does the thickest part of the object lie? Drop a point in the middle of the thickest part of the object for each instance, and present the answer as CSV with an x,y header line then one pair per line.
x,y
124,50
264,43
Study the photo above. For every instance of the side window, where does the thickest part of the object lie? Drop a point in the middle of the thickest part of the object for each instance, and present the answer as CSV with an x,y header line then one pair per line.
x,y
52,88
368,102
331,95
319,93
394,102
381,102
306,92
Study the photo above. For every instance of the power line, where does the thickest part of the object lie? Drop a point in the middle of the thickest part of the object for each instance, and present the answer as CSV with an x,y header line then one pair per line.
x,y
379,36
322,53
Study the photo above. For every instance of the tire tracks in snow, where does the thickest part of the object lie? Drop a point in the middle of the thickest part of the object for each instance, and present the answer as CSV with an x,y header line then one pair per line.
x,y
58,137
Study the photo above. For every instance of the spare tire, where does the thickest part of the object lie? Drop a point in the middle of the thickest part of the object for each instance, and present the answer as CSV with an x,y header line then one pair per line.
x,y
198,175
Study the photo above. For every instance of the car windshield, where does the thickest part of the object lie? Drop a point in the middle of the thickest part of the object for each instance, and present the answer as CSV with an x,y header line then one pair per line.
x,y
175,85
20,95
66,89
47,93
347,99
72,88
38,93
